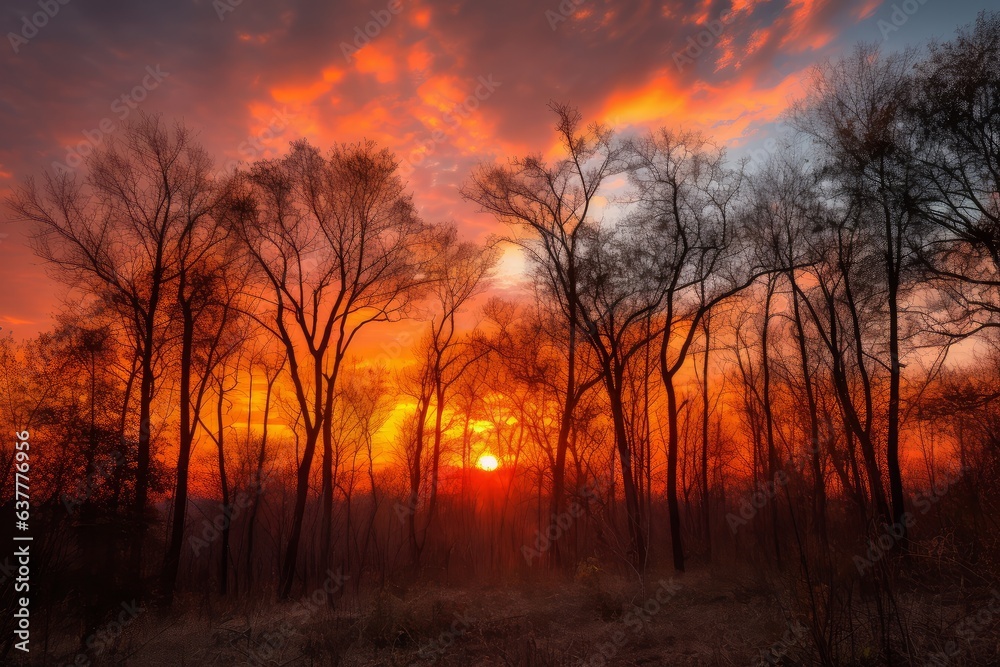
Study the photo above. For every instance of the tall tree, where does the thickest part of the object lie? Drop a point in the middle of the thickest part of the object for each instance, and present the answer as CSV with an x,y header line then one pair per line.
x,y
955,110
211,275
338,244
552,204
116,234
457,273
683,183
621,288
855,115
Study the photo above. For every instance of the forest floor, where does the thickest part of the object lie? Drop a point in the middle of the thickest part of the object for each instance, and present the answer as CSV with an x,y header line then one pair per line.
x,y
699,618
706,616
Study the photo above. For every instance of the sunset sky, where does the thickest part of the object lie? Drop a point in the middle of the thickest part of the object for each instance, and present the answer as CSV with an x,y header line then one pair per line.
x,y
445,84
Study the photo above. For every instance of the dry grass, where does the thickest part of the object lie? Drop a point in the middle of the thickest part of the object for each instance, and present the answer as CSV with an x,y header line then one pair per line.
x,y
720,617
709,620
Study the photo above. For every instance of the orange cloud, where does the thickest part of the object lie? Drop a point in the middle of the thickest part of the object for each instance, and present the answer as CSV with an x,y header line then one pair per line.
x,y
290,94
725,111
421,17
805,28
377,59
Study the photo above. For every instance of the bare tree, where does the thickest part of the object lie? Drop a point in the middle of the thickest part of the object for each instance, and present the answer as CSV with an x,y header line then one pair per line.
x,y
118,234
553,203
855,114
682,182
953,112
785,213
338,243
212,273
458,273
621,288
272,363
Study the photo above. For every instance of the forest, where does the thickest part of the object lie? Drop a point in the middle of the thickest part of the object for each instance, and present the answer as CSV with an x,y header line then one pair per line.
x,y
737,410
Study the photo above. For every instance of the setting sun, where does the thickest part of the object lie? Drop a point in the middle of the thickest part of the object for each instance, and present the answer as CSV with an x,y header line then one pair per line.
x,y
488,462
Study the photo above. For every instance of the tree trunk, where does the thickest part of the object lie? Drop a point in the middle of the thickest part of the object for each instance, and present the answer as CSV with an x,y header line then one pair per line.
x,y
258,484
301,496
705,501
415,470
142,454
637,534
326,521
892,436
673,440
226,508
772,457
562,441
436,455
819,480
171,564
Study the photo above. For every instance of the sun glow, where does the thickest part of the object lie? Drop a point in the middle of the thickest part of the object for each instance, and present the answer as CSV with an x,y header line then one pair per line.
x,y
488,462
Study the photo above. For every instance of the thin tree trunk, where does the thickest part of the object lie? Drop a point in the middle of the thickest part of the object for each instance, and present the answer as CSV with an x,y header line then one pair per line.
x,y
227,509
171,564
301,496
892,435
142,454
705,500
637,536
673,441
415,470
772,458
562,441
326,521
258,483
819,480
